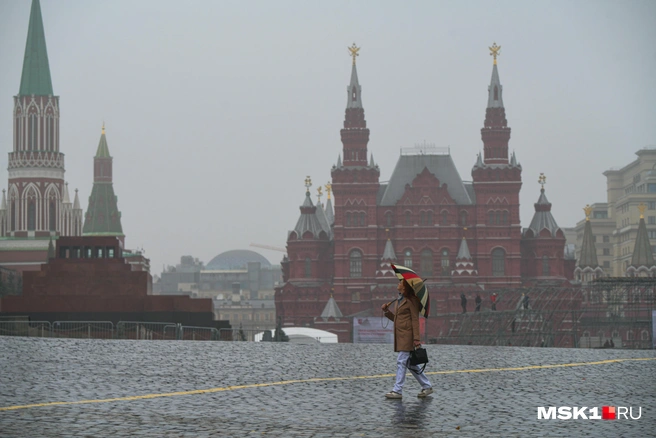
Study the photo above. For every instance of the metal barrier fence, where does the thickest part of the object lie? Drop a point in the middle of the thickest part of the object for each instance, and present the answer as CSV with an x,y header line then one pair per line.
x,y
136,330
147,330
83,329
40,329
240,335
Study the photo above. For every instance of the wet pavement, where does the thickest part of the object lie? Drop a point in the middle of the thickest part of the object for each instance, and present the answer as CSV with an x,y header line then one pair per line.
x,y
205,389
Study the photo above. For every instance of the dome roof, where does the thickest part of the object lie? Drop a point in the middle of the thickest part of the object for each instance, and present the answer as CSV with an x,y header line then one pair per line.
x,y
237,259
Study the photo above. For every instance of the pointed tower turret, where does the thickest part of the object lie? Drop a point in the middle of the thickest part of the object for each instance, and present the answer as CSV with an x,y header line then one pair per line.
x,y
587,268
35,79
495,132
543,242
642,261
355,134
331,311
464,266
103,217
329,206
385,269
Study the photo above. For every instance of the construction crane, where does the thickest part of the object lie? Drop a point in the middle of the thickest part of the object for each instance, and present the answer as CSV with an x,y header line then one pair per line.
x,y
272,248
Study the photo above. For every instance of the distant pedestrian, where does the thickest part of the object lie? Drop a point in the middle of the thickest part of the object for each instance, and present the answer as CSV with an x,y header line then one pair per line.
x,y
463,302
478,301
612,344
525,300
512,325
493,298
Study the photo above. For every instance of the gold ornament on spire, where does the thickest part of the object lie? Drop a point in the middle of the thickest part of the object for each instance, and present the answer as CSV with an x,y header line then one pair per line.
x,y
308,183
354,51
319,194
542,180
587,210
641,208
103,129
329,188
494,52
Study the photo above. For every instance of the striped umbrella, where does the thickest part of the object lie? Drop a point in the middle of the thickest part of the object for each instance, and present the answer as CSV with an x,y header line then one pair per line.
x,y
407,274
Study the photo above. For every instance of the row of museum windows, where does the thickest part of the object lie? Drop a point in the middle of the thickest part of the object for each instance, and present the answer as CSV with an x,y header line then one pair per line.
x,y
358,218
644,335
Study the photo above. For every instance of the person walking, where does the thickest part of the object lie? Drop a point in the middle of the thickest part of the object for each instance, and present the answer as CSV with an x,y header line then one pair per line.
x,y
493,299
478,301
406,339
463,302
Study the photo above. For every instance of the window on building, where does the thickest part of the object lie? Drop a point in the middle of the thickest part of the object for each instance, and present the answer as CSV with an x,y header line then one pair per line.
x,y
426,263
463,218
429,217
408,218
651,188
651,220
498,262
606,264
52,218
348,219
445,218
362,219
407,258
606,239
388,219
546,271
31,215
651,205
308,267
600,215
505,217
355,261
446,269
606,251
490,220
355,297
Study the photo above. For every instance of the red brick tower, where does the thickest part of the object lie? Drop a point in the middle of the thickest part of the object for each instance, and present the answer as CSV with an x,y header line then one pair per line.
x,y
355,184
497,182
38,204
543,243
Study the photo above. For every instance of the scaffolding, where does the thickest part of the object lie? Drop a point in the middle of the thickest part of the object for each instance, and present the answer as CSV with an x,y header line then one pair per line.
x,y
611,312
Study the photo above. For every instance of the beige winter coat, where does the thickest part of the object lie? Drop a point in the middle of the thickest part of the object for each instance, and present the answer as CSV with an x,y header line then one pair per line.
x,y
406,323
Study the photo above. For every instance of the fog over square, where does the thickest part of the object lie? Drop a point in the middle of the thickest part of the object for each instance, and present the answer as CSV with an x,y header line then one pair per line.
x,y
216,112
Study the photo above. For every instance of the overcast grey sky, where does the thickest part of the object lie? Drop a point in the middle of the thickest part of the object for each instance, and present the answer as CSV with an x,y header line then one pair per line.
x,y
217,110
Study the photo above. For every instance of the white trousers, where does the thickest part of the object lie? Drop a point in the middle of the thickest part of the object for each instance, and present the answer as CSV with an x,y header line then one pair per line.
x,y
402,367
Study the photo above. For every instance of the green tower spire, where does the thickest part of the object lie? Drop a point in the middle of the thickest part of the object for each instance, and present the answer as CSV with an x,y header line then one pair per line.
x,y
36,71
102,217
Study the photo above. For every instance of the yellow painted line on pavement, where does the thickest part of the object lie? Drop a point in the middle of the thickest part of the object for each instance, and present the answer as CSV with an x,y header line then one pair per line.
x,y
313,380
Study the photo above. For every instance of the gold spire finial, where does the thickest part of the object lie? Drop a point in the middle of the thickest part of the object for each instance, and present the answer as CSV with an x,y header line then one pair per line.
x,y
308,183
329,188
642,207
103,129
354,52
587,210
494,52
319,194
542,180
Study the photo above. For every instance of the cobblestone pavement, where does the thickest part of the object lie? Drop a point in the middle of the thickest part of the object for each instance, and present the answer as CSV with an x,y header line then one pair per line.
x,y
250,393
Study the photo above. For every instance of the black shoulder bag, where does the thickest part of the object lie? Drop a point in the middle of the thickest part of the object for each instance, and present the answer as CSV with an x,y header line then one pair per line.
x,y
418,356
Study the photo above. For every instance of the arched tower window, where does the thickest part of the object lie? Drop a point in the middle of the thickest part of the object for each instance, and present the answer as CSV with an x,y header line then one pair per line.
x,y
31,214
354,94
426,263
52,219
496,93
463,218
355,262
446,269
362,219
546,271
348,219
505,217
407,258
408,218
498,262
308,267
445,218
32,124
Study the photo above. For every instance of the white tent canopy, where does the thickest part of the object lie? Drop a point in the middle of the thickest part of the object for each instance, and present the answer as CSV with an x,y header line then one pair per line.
x,y
304,335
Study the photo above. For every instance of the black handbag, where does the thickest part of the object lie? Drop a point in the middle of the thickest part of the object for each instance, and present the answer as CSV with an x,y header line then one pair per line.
x,y
418,356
